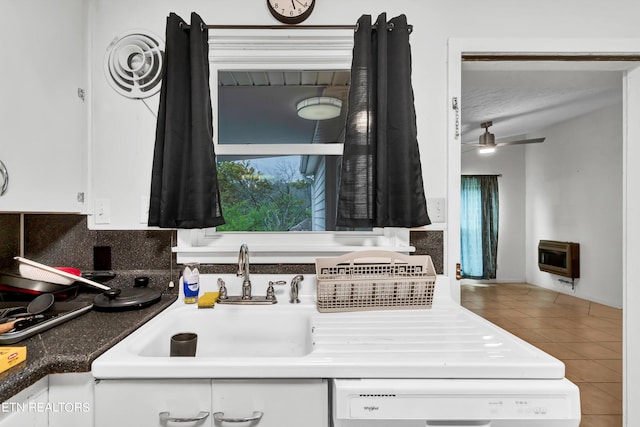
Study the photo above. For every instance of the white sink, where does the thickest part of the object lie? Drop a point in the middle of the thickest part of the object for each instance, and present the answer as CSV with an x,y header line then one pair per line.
x,y
233,331
233,340
286,340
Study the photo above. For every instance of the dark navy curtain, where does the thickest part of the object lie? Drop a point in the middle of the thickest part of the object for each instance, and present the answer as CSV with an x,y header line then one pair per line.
x,y
479,226
381,175
184,184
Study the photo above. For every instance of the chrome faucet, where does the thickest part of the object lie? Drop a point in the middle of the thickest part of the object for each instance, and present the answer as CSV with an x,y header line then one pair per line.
x,y
295,283
243,270
246,298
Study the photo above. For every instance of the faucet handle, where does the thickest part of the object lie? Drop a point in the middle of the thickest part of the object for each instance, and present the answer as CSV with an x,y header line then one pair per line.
x,y
223,289
271,295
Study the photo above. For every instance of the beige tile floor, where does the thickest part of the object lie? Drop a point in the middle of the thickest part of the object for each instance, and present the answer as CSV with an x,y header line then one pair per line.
x,y
585,335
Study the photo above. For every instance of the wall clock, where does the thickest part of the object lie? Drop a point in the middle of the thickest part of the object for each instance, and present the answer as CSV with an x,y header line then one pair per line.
x,y
291,11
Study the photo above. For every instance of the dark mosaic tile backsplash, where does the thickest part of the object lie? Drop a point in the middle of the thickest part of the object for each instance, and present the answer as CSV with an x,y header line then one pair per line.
x,y
66,240
9,239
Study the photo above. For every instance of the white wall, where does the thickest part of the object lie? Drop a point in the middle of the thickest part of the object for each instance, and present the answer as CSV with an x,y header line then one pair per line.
x,y
123,130
123,126
510,162
574,193
567,188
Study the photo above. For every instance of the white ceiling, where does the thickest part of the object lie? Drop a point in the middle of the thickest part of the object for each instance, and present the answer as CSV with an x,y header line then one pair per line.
x,y
259,107
520,97
523,97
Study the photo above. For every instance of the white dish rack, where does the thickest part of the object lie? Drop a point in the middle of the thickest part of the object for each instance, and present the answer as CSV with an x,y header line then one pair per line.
x,y
374,280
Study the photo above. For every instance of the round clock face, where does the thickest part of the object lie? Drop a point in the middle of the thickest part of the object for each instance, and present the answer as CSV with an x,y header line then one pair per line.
x,y
291,11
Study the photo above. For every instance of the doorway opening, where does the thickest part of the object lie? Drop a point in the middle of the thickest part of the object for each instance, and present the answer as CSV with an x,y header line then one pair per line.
x,y
630,245
549,123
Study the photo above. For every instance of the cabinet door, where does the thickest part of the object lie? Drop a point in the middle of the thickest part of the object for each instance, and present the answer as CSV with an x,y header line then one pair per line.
x,y
152,403
27,408
43,129
286,402
71,396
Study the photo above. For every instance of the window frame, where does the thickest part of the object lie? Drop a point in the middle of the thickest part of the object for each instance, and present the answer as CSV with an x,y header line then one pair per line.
x,y
280,49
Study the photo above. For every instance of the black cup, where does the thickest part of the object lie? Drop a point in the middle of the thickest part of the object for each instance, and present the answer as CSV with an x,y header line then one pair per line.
x,y
183,344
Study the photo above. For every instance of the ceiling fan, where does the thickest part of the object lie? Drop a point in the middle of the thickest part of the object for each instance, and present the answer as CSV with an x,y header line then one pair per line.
x,y
487,141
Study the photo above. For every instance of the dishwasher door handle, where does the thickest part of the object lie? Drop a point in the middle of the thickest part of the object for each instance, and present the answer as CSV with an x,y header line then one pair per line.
x,y
220,418
165,417
460,423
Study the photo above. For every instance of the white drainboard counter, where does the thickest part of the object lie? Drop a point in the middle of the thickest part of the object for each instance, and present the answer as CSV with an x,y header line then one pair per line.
x,y
296,341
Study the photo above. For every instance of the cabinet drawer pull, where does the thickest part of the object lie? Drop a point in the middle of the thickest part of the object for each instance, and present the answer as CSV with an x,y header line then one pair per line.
x,y
220,418
166,417
5,178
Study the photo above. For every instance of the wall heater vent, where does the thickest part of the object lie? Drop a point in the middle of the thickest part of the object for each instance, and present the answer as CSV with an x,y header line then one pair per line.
x,y
561,258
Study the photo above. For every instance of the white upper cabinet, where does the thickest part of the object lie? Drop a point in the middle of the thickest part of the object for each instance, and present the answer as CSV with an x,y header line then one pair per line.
x,y
42,113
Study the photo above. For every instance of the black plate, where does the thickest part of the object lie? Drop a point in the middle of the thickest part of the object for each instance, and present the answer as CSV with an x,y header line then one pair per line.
x,y
126,299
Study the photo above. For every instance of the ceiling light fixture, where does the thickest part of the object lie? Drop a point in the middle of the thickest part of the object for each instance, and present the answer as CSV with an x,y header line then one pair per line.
x,y
487,140
487,150
319,108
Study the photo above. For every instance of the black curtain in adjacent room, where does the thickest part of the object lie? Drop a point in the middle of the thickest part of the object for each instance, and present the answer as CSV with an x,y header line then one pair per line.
x,y
184,184
381,177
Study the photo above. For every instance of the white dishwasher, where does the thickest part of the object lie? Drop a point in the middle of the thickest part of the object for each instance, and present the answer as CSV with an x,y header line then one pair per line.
x,y
444,366
455,402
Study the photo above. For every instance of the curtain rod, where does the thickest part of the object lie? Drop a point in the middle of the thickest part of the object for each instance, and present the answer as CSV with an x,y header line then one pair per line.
x,y
285,27
482,174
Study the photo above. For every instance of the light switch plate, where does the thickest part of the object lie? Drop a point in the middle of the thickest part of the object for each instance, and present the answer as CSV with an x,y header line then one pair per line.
x,y
436,207
102,211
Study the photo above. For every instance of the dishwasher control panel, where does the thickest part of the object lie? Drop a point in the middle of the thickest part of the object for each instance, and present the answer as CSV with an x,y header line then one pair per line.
x,y
463,400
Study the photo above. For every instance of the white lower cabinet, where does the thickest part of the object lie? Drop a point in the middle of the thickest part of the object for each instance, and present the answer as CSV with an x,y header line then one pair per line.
x,y
152,403
27,408
271,403
221,403
57,400
71,400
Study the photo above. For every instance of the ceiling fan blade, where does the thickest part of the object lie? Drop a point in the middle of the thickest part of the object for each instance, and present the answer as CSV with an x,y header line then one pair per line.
x,y
487,142
522,141
498,144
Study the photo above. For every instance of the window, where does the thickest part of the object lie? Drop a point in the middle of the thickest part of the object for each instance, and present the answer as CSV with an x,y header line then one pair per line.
x,y
281,170
278,193
257,113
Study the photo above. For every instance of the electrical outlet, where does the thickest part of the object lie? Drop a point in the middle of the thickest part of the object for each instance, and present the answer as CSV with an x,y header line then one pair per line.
x,y
102,211
437,209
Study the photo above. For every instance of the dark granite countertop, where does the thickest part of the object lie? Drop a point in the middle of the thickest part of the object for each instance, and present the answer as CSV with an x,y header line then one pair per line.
x,y
72,346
